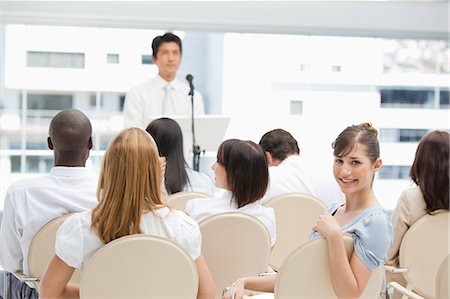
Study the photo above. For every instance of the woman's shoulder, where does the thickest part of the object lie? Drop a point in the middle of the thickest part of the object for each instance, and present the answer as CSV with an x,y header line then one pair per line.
x,y
176,217
375,220
411,196
77,221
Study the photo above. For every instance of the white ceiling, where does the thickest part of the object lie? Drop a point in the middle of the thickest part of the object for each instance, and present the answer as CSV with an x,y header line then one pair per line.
x,y
399,19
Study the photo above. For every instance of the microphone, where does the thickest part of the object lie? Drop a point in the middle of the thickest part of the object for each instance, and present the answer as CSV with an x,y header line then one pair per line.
x,y
189,78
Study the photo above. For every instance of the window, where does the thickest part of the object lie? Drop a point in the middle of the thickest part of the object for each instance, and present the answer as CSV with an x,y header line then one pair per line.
x,y
147,59
296,107
336,68
394,172
93,100
402,98
49,101
121,102
444,99
55,59
416,56
15,164
112,58
401,135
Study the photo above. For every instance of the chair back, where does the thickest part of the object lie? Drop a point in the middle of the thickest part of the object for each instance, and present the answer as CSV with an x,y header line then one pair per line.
x,y
423,249
178,200
306,273
442,289
234,245
140,266
295,214
42,250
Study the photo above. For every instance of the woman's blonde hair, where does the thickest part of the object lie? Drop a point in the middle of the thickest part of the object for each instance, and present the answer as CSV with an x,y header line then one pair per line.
x,y
129,184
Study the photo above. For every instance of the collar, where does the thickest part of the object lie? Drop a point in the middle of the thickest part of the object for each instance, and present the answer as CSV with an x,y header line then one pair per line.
x,y
290,158
68,171
160,82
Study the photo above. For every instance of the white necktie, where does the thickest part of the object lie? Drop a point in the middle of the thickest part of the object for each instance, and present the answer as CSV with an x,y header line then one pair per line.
x,y
168,108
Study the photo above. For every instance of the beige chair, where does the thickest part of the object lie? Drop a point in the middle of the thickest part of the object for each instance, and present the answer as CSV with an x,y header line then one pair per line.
x,y
178,200
442,281
41,251
296,214
140,266
306,273
423,249
234,245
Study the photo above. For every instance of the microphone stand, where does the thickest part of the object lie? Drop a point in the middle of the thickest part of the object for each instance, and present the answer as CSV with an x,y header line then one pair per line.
x,y
195,147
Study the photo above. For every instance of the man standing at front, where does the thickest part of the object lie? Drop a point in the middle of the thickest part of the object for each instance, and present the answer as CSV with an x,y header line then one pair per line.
x,y
164,94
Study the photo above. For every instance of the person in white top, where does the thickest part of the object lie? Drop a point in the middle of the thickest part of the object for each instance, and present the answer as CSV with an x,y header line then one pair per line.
x,y
31,203
242,170
178,176
288,173
164,94
130,202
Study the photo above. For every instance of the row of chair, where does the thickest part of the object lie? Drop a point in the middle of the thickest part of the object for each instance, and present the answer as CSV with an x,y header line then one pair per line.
x,y
423,252
295,214
236,245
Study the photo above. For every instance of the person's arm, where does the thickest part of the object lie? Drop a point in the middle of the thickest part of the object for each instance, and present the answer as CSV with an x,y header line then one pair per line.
x,y
11,254
206,289
55,282
349,278
257,283
133,111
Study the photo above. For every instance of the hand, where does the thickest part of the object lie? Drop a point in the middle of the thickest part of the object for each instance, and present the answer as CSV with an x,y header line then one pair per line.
x,y
237,288
327,226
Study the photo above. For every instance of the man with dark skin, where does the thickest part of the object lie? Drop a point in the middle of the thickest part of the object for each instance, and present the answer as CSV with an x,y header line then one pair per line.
x,y
31,203
70,138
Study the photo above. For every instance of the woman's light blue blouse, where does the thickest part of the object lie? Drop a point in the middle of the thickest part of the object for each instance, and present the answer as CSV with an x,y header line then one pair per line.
x,y
372,234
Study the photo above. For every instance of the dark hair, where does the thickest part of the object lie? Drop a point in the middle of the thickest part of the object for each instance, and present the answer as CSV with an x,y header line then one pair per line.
x,y
169,139
279,143
363,134
430,170
165,38
246,167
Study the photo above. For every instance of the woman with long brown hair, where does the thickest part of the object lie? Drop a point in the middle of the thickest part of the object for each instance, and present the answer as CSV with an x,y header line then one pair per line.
x,y
129,194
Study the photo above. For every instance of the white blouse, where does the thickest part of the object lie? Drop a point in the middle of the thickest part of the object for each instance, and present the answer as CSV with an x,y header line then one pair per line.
x,y
76,242
201,208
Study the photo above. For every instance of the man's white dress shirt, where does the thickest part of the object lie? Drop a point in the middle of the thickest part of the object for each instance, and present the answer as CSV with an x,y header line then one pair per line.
x,y
144,102
31,203
291,175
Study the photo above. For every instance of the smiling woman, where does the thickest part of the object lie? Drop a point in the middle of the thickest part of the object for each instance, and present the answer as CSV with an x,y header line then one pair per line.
x,y
357,159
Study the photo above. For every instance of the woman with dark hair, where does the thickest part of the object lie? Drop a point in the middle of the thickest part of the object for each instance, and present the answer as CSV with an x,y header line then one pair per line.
x,y
241,169
356,160
178,176
430,172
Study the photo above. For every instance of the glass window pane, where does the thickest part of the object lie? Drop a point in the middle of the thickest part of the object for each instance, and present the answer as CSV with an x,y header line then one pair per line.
x,y
55,59
112,58
444,99
415,56
402,98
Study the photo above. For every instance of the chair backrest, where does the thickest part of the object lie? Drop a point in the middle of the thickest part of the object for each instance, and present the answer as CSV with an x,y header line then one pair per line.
x,y
423,249
442,282
178,200
140,266
306,273
296,214
234,245
42,250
